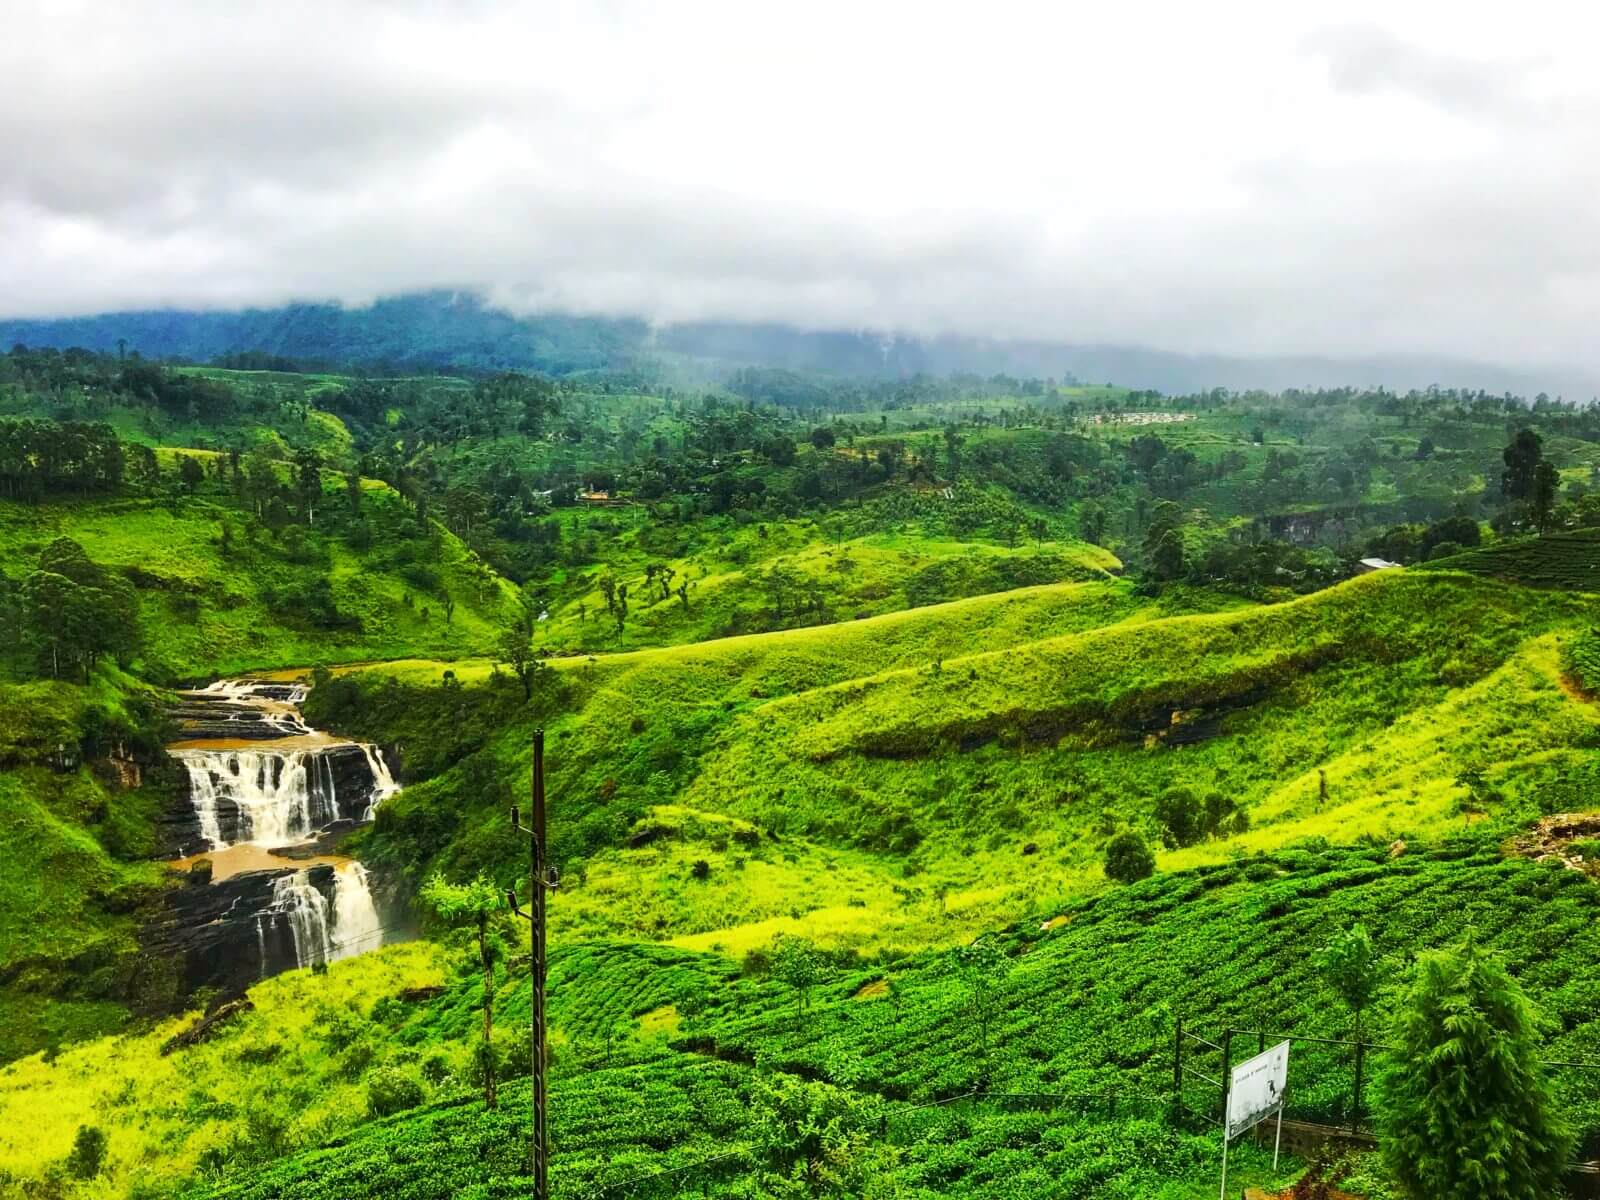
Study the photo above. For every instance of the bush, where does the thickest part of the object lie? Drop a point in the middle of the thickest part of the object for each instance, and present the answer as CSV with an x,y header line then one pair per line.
x,y
391,1090
88,1152
1128,859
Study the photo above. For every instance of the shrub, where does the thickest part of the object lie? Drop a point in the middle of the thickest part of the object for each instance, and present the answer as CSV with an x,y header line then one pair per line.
x,y
1128,859
88,1152
1182,817
701,869
391,1090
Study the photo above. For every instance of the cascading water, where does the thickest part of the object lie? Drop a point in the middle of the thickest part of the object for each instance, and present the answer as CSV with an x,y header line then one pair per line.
x,y
270,796
356,926
323,930
298,902
260,780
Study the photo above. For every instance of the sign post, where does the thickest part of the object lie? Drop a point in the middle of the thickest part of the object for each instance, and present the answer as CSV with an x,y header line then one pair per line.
x,y
1255,1092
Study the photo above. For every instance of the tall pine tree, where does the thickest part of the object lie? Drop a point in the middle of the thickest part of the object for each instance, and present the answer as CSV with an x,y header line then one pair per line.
x,y
1464,1110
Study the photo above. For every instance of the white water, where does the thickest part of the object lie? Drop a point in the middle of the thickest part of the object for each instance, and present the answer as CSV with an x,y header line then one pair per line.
x,y
383,784
282,796
306,910
273,793
285,796
250,689
324,932
356,928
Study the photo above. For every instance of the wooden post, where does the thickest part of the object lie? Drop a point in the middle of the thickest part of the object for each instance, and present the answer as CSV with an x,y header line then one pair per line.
x,y
536,864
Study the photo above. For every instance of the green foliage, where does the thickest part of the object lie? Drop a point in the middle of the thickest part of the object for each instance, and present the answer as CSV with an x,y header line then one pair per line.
x,y
1128,859
1581,658
391,1090
816,1140
1349,965
1465,1111
88,1154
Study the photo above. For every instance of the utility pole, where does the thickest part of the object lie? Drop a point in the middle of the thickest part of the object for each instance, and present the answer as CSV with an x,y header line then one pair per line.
x,y
543,877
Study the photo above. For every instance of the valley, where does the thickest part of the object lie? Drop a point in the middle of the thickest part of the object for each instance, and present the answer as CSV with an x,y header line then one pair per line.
x,y
848,703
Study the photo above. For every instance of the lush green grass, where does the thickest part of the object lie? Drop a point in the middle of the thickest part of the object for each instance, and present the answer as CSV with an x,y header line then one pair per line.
x,y
793,574
968,784
659,1053
70,837
206,611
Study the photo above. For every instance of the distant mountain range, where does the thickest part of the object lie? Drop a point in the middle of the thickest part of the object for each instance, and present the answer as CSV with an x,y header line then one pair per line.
x,y
445,330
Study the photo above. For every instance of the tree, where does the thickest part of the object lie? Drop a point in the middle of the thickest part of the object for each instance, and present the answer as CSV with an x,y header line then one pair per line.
x,y
472,906
1181,816
1163,541
817,1139
308,482
795,962
822,438
952,451
1546,479
1349,966
88,1154
1465,1110
982,966
1522,459
1128,859
1092,522
516,651
191,473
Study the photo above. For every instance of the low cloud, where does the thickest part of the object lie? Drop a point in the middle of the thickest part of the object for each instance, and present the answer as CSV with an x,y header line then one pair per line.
x,y
1330,182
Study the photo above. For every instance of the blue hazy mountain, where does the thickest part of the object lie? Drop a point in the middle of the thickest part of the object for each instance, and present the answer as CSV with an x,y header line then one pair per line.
x,y
435,330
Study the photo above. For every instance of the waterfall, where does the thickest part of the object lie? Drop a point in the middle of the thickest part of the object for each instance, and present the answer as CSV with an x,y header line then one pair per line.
x,y
323,931
203,793
253,689
280,797
306,909
383,784
356,928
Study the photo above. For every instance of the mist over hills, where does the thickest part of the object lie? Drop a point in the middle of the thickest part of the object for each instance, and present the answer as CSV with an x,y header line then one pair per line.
x,y
439,329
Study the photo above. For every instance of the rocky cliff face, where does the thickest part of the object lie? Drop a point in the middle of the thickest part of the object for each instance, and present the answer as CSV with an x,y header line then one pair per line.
x,y
231,933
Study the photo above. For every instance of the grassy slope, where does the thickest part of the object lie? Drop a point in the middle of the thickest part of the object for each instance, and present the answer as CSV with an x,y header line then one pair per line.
x,y
1563,560
852,578
67,895
178,556
846,741
1084,1004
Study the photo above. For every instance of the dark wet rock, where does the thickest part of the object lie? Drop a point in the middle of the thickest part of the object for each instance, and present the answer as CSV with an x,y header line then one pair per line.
x,y
227,935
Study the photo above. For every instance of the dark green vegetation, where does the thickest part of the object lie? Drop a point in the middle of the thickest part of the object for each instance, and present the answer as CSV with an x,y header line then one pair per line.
x,y
907,738
1468,1062
74,836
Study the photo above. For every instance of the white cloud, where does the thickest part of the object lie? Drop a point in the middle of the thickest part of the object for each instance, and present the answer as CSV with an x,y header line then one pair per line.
x,y
1245,178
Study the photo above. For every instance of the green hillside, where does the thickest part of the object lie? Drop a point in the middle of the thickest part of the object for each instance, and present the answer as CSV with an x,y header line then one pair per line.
x,y
857,695
989,777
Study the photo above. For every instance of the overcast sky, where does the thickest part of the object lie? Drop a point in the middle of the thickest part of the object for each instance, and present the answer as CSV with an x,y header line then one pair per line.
x,y
1335,178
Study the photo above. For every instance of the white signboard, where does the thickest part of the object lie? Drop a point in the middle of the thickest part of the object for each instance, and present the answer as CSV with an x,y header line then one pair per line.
x,y
1257,1089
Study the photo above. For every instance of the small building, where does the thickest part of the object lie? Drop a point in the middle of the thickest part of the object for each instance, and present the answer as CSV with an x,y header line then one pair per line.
x,y
1368,565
